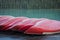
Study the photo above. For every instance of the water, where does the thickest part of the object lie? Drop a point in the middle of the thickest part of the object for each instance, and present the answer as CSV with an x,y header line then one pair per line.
x,y
36,13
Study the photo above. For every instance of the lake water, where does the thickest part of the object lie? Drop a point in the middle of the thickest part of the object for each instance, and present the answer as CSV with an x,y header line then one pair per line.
x,y
36,13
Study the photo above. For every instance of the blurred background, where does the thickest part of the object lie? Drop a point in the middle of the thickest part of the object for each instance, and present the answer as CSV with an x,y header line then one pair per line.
x,y
29,4
31,8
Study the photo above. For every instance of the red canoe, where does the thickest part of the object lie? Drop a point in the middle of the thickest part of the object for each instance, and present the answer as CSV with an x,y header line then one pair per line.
x,y
30,25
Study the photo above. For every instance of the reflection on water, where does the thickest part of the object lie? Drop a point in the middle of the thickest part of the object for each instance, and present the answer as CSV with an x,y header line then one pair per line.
x,y
7,35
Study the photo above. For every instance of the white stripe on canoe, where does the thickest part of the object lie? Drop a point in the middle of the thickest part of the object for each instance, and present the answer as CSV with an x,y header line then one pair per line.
x,y
13,21
6,21
18,23
23,22
39,22
5,17
50,32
